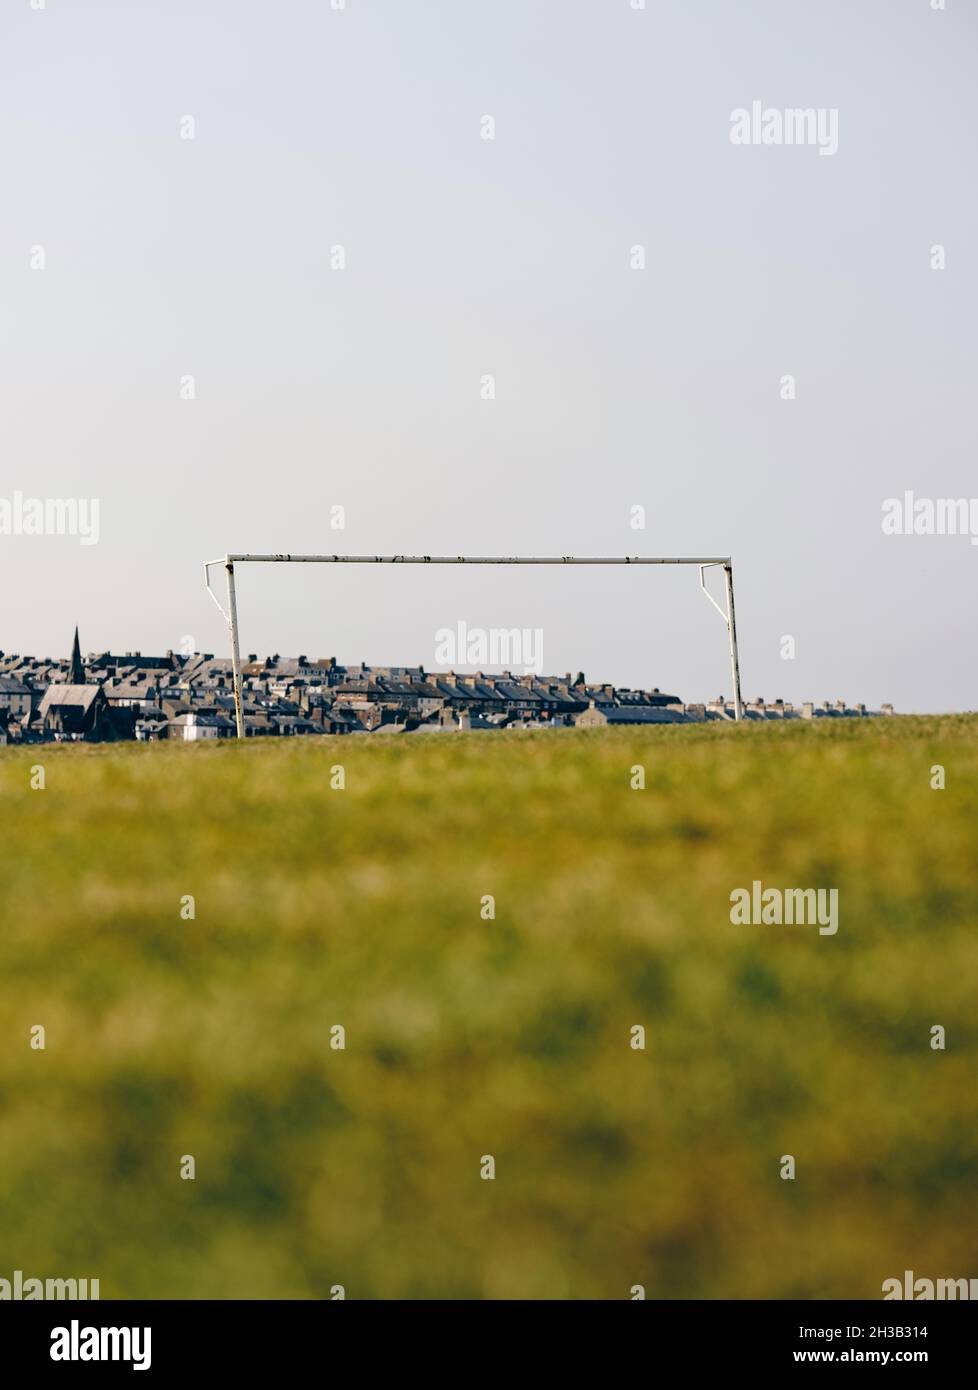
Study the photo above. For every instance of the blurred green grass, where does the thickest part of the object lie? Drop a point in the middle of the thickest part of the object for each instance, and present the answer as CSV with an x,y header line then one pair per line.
x,y
510,1037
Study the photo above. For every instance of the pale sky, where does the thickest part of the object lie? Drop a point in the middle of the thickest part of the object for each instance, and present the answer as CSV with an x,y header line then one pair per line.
x,y
166,258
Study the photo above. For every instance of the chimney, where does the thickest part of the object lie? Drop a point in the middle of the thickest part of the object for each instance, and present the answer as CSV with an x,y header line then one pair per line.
x,y
808,710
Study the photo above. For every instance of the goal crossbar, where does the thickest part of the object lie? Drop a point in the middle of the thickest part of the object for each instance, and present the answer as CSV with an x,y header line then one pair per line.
x,y
230,614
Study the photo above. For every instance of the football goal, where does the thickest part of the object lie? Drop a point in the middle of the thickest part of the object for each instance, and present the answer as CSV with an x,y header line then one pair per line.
x,y
230,614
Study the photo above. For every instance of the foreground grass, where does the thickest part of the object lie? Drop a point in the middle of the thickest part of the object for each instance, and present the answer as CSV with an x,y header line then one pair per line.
x,y
467,1037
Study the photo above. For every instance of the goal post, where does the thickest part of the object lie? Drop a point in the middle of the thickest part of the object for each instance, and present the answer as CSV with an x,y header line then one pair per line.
x,y
230,614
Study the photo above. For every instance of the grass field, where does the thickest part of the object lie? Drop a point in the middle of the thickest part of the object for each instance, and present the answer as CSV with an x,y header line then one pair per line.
x,y
508,1037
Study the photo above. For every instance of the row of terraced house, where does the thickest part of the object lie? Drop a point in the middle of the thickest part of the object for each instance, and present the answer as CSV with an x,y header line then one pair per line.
x,y
107,697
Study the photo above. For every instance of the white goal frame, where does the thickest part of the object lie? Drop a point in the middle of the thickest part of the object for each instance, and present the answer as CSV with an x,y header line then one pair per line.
x,y
230,614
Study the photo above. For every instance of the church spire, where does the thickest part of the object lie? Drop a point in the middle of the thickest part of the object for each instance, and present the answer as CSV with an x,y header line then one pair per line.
x,y
76,668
